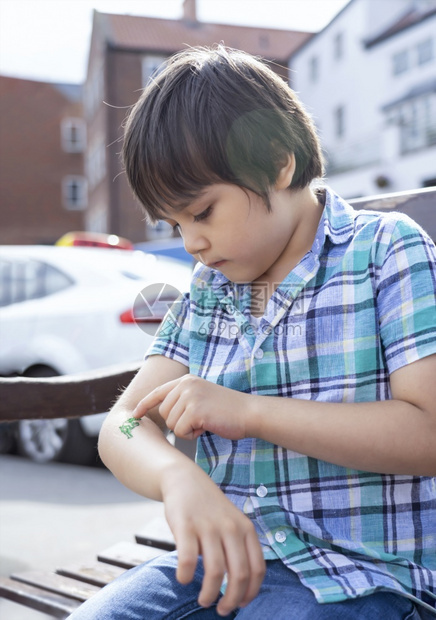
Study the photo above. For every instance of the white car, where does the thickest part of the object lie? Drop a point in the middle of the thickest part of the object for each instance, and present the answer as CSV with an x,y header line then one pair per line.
x,y
68,309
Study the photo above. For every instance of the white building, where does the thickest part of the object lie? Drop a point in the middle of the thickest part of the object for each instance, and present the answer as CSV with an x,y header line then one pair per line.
x,y
369,81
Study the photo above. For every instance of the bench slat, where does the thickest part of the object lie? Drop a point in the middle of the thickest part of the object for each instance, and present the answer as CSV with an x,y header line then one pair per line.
x,y
60,592
157,533
94,573
66,586
128,554
37,598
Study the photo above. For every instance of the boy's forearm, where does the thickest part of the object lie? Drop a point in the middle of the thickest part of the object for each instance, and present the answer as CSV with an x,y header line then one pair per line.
x,y
137,452
391,436
138,455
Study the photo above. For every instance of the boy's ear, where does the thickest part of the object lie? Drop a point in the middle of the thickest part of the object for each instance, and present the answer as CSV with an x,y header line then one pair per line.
x,y
286,173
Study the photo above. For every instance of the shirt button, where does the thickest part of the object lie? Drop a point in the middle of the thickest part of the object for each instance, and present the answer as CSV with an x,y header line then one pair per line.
x,y
280,536
261,491
258,354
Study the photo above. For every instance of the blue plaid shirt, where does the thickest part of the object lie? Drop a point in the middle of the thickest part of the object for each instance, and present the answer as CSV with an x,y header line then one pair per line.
x,y
359,305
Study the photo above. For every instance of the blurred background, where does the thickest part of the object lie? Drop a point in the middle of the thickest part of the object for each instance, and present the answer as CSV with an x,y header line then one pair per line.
x,y
69,71
365,70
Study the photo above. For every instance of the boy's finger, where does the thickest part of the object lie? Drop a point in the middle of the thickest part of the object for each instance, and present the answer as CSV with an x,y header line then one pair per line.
x,y
183,425
171,411
238,578
243,580
214,571
153,399
187,558
146,404
257,570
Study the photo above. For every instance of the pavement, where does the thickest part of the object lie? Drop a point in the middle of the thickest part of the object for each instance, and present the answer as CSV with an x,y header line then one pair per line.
x,y
53,514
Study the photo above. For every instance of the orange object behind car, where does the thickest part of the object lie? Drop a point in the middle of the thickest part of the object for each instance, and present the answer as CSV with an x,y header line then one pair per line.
x,y
90,239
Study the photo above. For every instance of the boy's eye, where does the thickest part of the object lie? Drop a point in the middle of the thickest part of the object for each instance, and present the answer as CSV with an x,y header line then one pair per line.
x,y
203,215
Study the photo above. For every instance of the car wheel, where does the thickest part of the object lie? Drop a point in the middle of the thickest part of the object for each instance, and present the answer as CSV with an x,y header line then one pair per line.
x,y
42,440
58,439
7,438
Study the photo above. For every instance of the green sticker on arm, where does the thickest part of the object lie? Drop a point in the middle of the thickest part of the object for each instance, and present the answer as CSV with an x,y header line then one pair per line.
x,y
128,426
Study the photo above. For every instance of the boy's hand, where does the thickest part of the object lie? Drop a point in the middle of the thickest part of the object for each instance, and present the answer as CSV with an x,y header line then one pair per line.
x,y
204,522
191,405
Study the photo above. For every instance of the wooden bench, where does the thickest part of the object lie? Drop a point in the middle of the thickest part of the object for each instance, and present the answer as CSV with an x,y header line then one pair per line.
x,y
60,592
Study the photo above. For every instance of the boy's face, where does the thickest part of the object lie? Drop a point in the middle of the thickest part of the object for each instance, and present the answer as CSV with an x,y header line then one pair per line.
x,y
229,229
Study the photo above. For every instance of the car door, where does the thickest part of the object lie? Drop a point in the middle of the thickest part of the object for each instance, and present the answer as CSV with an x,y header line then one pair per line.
x,y
24,283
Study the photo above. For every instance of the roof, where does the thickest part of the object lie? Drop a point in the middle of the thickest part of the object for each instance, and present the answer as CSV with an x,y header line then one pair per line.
x,y
168,36
21,90
317,34
413,17
71,92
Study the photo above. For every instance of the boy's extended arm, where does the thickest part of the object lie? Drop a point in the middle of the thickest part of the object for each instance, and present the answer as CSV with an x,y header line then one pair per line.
x,y
201,518
393,436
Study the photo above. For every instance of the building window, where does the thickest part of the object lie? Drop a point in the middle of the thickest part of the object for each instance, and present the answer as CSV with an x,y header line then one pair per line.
x,y
338,46
73,135
151,66
417,120
425,51
74,193
400,62
314,69
339,121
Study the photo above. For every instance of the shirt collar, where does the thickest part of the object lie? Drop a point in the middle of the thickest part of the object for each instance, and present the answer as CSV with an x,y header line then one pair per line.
x,y
338,218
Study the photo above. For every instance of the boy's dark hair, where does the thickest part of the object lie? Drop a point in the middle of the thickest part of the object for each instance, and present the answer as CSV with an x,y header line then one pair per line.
x,y
215,116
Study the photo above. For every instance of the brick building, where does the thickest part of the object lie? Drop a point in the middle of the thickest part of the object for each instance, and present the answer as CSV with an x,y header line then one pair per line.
x,y
42,139
125,50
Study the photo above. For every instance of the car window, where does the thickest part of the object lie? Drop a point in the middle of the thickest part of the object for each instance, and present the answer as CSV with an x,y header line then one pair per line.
x,y
55,280
25,279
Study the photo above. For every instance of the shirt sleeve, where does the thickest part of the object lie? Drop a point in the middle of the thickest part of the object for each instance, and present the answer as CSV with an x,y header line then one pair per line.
x,y
172,337
406,296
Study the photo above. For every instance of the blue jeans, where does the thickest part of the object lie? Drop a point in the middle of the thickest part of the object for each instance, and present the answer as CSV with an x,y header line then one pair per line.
x,y
151,592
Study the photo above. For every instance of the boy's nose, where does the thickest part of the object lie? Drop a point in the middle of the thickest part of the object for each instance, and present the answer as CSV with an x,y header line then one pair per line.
x,y
194,243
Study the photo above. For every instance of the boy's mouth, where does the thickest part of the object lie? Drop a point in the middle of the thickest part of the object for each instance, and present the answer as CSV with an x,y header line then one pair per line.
x,y
216,265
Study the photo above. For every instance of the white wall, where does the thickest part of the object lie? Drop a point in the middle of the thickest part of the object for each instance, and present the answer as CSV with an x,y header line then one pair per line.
x,y
362,81
408,172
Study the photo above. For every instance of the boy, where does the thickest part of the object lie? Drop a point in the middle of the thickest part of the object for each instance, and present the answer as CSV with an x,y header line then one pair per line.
x,y
303,360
